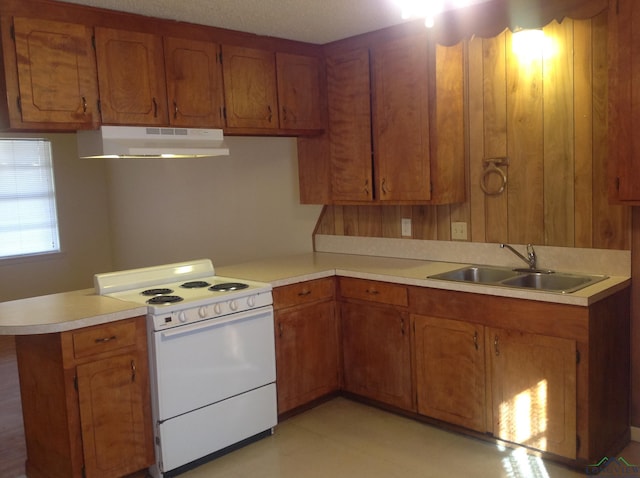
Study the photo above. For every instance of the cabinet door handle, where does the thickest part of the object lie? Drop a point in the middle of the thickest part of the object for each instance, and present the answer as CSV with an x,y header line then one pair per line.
x,y
304,292
280,330
475,339
84,104
284,113
384,186
155,107
103,340
133,371
402,326
175,109
496,345
366,187
270,115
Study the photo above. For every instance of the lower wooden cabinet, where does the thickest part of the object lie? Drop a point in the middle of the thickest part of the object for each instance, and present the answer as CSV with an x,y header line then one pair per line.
x,y
376,341
450,371
533,390
86,401
307,346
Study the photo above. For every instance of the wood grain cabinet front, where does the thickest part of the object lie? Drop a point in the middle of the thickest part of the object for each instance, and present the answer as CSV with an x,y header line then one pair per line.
x,y
194,83
86,401
49,74
307,345
131,77
376,343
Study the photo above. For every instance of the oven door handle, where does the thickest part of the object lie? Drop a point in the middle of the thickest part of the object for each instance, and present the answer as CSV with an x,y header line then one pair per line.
x,y
212,323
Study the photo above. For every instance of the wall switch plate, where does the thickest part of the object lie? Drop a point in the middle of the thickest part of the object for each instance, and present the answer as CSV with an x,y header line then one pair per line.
x,y
459,231
406,226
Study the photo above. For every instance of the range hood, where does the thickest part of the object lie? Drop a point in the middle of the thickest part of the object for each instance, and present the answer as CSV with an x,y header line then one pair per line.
x,y
150,142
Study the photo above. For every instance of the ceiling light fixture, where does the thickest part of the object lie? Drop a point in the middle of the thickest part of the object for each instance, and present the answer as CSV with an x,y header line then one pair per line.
x,y
429,9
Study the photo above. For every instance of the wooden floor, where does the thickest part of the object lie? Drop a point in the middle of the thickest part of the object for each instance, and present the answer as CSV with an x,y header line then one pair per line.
x,y
12,446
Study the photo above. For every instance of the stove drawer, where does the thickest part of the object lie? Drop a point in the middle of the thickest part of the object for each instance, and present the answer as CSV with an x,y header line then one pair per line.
x,y
104,338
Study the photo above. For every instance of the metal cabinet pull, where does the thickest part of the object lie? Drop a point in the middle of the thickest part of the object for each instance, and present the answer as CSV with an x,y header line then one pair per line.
x,y
155,107
372,292
84,104
133,371
475,339
366,187
284,113
384,186
496,345
280,329
105,339
304,292
402,326
175,109
270,115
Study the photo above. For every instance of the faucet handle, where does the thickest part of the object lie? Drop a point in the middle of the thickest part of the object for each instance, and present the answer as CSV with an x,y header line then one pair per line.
x,y
531,254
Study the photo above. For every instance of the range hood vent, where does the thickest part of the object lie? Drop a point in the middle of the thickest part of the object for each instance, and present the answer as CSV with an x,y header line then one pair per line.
x,y
150,142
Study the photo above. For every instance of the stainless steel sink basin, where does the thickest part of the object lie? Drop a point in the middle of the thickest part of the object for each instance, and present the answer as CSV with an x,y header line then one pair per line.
x,y
547,281
555,282
480,274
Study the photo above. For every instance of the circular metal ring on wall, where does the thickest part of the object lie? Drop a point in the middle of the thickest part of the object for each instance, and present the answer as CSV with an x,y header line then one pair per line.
x,y
493,169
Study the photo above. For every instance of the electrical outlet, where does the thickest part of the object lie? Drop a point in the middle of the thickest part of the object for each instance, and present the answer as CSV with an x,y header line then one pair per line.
x,y
459,231
406,226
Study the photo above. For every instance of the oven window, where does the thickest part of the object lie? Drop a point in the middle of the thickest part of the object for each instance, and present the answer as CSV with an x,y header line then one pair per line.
x,y
28,217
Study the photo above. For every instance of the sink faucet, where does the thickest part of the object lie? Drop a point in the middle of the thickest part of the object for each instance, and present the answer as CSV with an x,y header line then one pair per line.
x,y
531,255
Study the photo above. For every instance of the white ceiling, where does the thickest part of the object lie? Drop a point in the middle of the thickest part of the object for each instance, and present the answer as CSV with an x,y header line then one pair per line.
x,y
313,21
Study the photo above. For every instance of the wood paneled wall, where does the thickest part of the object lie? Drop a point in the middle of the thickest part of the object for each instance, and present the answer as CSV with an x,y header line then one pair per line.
x,y
548,116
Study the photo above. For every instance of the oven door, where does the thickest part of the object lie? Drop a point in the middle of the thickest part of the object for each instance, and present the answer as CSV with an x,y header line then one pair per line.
x,y
200,364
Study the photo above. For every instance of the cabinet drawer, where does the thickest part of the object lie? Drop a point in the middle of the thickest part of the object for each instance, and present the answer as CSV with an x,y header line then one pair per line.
x,y
383,292
104,338
303,293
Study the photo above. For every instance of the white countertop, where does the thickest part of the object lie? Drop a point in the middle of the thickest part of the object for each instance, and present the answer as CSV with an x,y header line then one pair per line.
x,y
83,308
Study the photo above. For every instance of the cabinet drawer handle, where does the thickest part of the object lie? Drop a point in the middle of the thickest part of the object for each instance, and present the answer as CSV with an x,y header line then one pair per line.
x,y
304,292
475,339
105,339
496,345
372,292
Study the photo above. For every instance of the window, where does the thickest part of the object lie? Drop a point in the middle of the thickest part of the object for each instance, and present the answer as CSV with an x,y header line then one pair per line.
x,y
28,219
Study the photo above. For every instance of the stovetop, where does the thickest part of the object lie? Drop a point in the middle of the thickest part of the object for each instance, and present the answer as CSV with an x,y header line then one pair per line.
x,y
183,292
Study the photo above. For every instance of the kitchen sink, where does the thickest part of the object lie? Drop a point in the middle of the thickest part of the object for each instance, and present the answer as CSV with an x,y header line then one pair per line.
x,y
547,281
479,274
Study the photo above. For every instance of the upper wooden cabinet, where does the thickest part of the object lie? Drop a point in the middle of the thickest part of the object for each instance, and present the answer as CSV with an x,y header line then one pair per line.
x,y
396,125
401,120
624,109
194,83
271,90
131,77
250,91
50,75
299,91
349,93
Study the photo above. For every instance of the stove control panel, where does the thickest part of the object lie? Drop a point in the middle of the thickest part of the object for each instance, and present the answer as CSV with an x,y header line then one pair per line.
x,y
223,308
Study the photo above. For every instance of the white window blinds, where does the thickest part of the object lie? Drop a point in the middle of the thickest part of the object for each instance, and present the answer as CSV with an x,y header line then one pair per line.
x,y
28,219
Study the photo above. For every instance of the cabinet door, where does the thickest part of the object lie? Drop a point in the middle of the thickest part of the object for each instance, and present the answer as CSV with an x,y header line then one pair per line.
x,y
56,73
624,109
194,83
376,353
306,354
349,97
533,390
300,92
401,119
114,415
131,77
450,372
250,87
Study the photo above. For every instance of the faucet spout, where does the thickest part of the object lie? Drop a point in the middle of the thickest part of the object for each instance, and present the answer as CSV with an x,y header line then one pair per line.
x,y
531,255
